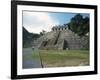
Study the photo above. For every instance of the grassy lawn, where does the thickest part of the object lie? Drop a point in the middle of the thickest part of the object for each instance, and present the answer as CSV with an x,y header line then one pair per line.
x,y
62,58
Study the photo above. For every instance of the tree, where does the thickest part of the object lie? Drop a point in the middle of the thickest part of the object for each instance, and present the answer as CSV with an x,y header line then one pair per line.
x,y
79,25
28,38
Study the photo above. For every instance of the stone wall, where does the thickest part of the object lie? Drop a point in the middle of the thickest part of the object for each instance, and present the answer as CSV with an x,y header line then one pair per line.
x,y
59,28
61,38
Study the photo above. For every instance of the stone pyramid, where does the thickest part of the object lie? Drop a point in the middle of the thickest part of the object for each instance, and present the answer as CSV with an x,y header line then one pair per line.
x,y
61,38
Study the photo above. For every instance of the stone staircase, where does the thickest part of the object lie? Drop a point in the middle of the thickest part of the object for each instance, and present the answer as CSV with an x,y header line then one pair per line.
x,y
51,42
60,40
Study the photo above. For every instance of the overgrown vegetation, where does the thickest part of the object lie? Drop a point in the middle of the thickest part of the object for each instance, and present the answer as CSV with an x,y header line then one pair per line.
x,y
28,38
79,25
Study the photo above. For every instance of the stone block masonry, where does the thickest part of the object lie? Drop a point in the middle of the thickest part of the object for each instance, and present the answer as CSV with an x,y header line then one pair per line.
x,y
61,38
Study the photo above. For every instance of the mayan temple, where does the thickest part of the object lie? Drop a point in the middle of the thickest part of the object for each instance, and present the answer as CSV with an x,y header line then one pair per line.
x,y
61,38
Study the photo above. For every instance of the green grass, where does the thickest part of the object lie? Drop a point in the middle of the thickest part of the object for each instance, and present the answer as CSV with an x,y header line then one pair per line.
x,y
60,58
34,55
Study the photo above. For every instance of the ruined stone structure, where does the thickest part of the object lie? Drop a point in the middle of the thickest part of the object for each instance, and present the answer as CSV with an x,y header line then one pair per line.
x,y
61,38
60,28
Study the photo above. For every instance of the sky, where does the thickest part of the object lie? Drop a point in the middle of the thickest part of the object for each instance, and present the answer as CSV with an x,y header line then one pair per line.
x,y
35,22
